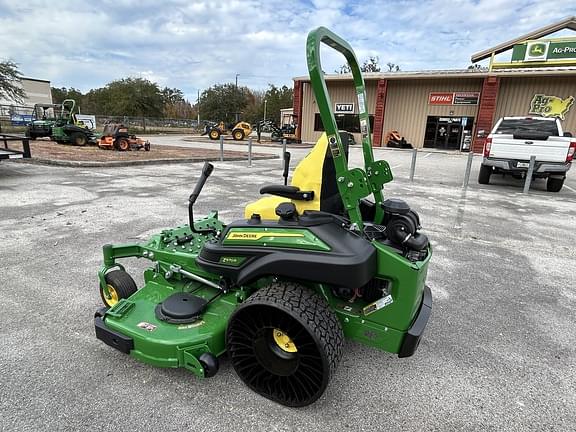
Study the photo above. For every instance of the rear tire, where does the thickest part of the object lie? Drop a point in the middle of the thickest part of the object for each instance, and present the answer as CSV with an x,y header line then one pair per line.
x,y
238,134
78,139
122,144
554,184
285,343
120,285
484,174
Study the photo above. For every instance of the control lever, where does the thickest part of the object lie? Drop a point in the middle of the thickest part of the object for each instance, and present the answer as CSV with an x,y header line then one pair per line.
x,y
206,171
286,167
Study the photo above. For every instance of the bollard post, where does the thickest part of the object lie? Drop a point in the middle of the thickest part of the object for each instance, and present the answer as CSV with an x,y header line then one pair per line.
x,y
250,151
26,148
413,164
468,168
221,148
529,174
283,151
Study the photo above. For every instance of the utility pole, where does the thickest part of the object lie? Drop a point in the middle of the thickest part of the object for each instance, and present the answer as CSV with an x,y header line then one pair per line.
x,y
265,101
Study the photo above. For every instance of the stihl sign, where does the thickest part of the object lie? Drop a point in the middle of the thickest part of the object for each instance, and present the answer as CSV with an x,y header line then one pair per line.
x,y
441,98
455,98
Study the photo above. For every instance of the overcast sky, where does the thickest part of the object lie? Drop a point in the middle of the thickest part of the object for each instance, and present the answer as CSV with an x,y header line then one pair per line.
x,y
194,44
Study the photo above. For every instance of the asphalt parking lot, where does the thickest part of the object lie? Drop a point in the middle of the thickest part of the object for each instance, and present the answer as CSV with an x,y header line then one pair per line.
x,y
498,354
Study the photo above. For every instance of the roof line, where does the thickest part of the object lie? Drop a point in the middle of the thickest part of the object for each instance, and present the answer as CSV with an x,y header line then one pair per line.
x,y
34,79
566,23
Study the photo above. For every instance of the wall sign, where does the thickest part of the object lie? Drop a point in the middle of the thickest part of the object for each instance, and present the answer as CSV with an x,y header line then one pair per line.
x,y
545,50
550,106
454,98
344,108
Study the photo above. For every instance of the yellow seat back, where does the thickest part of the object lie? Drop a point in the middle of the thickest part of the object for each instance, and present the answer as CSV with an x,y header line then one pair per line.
x,y
307,176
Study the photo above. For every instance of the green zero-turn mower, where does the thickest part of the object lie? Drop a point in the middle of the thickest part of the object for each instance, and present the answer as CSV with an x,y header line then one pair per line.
x,y
66,130
279,291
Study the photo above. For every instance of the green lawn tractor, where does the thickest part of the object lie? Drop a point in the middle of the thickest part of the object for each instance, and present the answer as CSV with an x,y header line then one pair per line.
x,y
43,118
66,130
311,264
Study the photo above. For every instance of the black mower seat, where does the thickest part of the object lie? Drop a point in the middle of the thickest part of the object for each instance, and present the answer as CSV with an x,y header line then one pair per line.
x,y
313,185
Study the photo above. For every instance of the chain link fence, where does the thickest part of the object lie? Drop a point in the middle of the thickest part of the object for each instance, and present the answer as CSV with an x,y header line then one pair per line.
x,y
14,118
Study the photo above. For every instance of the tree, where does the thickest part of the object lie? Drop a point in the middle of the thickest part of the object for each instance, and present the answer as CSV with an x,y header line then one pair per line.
x,y
221,102
276,99
371,64
62,93
10,77
392,67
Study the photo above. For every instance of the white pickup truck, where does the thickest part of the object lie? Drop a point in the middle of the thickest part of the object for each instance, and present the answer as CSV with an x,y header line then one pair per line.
x,y
514,140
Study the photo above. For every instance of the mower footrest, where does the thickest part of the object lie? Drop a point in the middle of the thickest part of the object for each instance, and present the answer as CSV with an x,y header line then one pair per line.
x,y
116,340
414,333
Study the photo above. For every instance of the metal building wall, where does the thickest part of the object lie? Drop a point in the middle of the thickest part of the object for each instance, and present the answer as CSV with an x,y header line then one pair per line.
x,y
516,93
407,105
340,92
37,91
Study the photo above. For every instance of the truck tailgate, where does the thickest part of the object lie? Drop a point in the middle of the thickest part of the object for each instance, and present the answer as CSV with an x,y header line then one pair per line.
x,y
554,149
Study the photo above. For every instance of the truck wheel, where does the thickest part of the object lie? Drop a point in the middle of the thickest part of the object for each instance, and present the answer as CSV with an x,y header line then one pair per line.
x,y
238,134
120,285
78,138
554,184
214,134
484,174
285,343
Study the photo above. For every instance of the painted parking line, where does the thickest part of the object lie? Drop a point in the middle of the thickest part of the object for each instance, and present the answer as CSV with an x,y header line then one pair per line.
x,y
569,188
426,155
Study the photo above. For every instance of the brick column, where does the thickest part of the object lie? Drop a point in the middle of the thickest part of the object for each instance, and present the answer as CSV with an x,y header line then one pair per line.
x,y
486,110
379,113
297,107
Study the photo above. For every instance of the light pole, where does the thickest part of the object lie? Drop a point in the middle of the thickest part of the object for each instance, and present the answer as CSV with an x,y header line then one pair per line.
x,y
198,107
265,101
237,75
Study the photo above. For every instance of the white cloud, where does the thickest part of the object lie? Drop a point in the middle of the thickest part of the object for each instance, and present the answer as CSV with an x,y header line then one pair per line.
x,y
194,44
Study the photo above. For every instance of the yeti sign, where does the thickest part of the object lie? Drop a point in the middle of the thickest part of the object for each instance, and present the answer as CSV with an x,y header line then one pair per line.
x,y
344,108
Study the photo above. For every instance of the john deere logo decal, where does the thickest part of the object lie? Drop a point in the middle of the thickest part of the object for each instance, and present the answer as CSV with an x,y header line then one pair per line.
x,y
246,235
536,51
551,106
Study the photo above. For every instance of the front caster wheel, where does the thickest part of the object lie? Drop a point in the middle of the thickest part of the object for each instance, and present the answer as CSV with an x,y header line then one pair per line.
x,y
285,343
120,285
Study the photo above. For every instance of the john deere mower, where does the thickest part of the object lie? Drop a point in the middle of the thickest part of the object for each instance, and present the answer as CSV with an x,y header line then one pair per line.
x,y
115,136
67,131
311,264
43,118
238,131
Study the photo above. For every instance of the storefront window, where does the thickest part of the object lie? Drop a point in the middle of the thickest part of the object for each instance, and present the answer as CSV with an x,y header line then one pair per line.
x,y
347,122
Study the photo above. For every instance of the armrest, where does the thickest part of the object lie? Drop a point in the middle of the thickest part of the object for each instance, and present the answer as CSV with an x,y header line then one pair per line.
x,y
290,192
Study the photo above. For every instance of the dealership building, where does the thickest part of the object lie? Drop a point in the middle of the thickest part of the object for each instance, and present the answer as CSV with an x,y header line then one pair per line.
x,y
446,109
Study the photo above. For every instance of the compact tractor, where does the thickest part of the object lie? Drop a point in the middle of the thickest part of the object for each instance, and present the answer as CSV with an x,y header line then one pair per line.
x,y
115,136
66,130
287,132
238,131
311,264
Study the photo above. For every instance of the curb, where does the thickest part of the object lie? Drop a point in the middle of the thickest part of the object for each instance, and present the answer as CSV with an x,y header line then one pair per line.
x,y
83,164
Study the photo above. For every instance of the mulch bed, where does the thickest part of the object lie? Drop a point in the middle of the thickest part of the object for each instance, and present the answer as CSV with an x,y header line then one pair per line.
x,y
49,150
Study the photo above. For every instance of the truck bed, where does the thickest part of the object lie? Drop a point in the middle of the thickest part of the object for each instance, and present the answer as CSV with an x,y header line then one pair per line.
x,y
554,149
